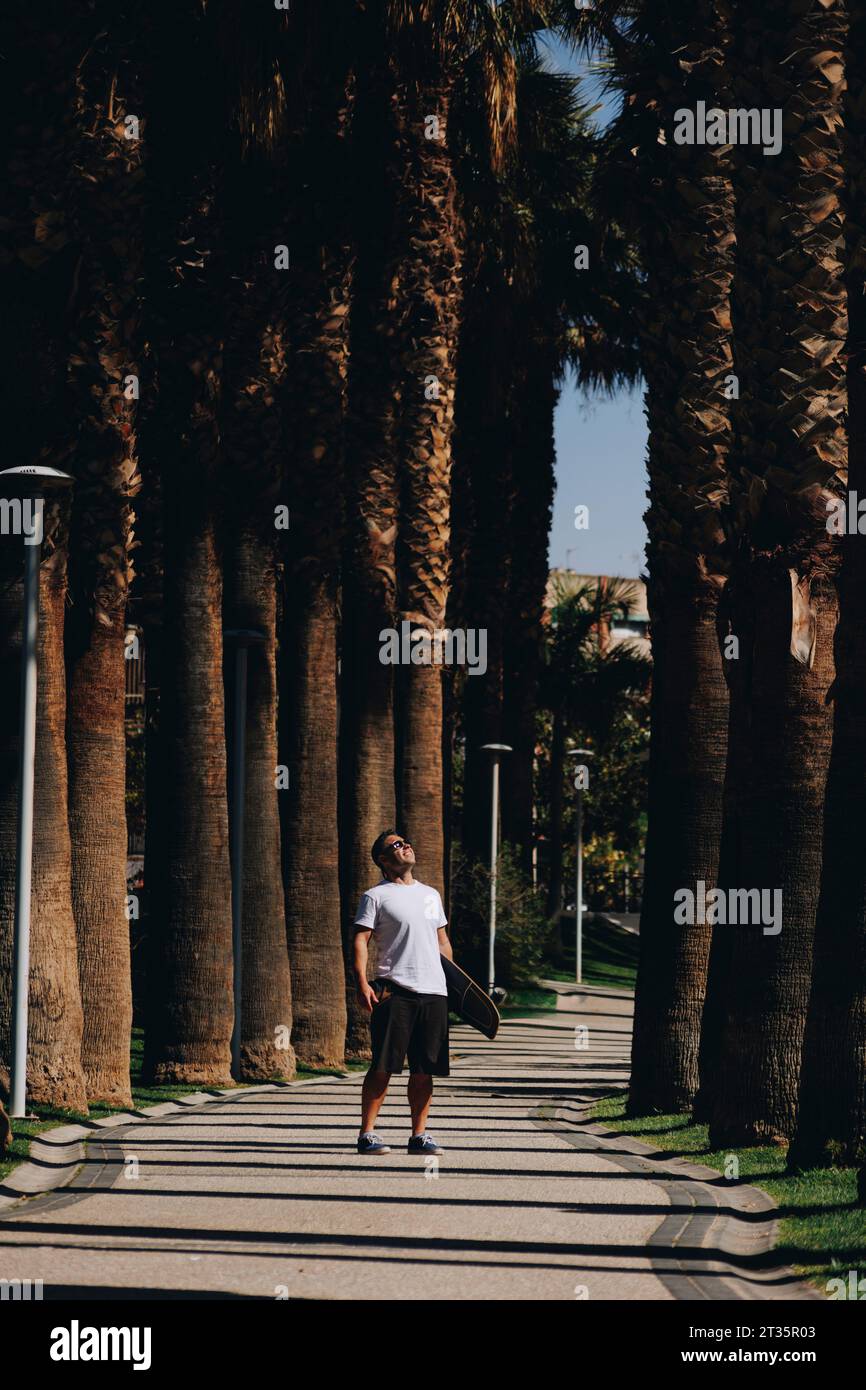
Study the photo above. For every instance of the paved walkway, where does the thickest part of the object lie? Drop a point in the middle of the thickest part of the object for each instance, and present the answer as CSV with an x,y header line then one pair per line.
x,y
262,1194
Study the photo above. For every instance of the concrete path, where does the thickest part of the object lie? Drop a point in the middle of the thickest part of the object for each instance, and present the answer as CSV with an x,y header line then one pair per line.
x,y
262,1194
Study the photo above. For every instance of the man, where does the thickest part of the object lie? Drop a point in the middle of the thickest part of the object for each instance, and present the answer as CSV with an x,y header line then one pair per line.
x,y
408,1001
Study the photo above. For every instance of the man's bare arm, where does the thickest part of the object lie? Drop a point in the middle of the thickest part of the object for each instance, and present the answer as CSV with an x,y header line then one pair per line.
x,y
445,944
365,994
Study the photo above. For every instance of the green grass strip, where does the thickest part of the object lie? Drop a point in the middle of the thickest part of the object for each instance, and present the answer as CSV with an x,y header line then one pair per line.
x,y
822,1230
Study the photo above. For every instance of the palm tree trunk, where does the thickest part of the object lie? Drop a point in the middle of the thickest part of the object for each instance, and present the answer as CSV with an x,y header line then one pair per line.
x,y
253,442
108,178
687,235
54,1072
96,749
266,1010
832,1119
369,601
308,731
789,276
40,256
308,718
188,877
832,1115
430,284
482,434
534,453
721,953
778,849
689,722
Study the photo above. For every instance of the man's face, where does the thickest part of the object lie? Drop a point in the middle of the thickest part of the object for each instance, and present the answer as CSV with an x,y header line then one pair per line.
x,y
397,852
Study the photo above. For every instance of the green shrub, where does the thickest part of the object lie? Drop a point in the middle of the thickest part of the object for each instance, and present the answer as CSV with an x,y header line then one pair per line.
x,y
521,928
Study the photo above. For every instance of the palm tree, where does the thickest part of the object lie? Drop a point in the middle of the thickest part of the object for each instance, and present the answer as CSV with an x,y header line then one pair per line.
x,y
536,386
483,492
667,58
250,603
401,402
565,321
369,600
54,1071
527,314
105,205
499,177
190,1016
832,1113
38,254
314,407
430,288
482,436
252,438
431,42
789,460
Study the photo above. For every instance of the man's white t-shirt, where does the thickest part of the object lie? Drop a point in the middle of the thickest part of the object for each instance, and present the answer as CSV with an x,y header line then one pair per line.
x,y
406,918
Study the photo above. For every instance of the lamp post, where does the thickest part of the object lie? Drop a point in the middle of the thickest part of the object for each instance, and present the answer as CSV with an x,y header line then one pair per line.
x,y
580,754
241,639
33,483
496,749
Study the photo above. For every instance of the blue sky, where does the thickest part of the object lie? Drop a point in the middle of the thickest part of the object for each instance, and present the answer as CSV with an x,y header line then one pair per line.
x,y
600,448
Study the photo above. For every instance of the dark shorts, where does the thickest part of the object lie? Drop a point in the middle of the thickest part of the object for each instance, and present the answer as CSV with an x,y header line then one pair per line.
x,y
405,1023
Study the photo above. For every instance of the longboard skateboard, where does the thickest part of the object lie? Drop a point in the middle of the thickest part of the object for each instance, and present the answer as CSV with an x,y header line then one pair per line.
x,y
468,1000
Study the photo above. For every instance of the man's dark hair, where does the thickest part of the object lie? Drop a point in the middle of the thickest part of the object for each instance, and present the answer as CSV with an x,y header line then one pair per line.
x,y
378,844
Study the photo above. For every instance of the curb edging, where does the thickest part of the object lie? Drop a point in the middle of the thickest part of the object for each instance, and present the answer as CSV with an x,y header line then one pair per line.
x,y
750,1240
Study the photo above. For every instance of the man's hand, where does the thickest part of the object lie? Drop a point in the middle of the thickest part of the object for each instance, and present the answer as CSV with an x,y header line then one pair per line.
x,y
366,996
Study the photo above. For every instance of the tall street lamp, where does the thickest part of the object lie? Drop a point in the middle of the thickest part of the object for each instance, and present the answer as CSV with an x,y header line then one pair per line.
x,y
33,483
241,639
496,750
582,755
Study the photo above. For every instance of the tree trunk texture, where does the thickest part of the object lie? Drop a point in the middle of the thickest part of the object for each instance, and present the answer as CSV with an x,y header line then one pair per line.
x,y
188,1038
253,443
482,433
369,595
39,256
266,1006
721,954
832,1119
96,749
687,204
308,716
188,876
308,747
54,1072
778,844
107,176
689,713
533,403
431,291
789,338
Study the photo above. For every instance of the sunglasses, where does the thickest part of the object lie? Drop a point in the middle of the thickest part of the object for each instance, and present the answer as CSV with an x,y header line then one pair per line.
x,y
399,844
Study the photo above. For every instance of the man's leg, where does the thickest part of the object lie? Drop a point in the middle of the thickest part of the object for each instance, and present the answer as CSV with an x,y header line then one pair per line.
x,y
420,1093
372,1094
